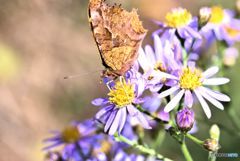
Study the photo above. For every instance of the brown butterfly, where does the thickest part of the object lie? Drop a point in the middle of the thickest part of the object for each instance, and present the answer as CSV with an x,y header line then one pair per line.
x,y
118,35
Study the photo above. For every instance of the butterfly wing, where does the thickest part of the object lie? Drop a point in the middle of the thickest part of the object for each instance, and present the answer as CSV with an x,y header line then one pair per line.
x,y
118,34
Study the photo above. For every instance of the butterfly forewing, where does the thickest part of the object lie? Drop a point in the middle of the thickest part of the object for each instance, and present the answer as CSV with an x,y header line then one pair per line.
x,y
118,35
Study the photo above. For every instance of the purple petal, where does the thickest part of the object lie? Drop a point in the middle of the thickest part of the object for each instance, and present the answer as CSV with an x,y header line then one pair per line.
x,y
99,101
193,33
115,124
132,110
188,98
103,111
110,120
156,88
123,118
142,120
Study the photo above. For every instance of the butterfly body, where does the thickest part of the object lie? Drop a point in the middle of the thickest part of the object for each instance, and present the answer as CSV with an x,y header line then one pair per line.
x,y
118,35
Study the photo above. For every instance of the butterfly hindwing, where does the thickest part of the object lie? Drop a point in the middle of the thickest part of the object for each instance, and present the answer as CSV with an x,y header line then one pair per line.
x,y
118,35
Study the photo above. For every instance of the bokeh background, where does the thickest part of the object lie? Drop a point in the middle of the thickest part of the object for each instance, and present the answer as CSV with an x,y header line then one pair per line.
x,y
41,41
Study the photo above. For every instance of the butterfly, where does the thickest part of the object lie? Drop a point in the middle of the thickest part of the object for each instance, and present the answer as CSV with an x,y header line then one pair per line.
x,y
118,35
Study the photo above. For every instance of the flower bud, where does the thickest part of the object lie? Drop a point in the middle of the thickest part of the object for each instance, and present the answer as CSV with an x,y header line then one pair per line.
x,y
214,132
230,56
211,145
204,16
185,119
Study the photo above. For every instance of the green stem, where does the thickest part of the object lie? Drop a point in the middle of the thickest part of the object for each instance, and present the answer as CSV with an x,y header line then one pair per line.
x,y
194,139
151,115
212,156
141,148
159,139
185,151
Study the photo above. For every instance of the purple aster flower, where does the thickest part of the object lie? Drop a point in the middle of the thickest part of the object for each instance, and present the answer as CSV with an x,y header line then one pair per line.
x,y
181,21
77,140
120,105
158,61
190,81
222,23
185,119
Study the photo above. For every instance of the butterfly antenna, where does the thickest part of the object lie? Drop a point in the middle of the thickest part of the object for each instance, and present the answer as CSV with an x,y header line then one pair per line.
x,y
78,75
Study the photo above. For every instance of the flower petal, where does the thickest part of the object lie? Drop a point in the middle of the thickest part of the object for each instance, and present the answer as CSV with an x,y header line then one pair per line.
x,y
188,99
173,103
168,92
110,120
142,120
210,72
204,104
123,118
103,111
215,81
132,110
115,124
217,95
99,101
150,54
210,99
166,75
193,33
158,47
143,61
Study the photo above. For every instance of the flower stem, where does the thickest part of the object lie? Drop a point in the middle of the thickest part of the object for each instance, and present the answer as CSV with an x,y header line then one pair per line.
x,y
185,151
194,139
141,148
151,115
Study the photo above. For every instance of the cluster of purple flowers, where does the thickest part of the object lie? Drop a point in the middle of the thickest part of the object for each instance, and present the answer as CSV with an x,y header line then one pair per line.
x,y
165,80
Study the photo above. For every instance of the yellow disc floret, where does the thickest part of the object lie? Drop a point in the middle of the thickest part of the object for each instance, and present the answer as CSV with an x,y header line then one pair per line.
x,y
217,15
190,79
178,18
70,134
232,32
122,94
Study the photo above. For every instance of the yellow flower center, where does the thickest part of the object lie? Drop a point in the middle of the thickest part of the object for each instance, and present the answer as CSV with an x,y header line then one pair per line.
x,y
232,32
122,94
217,15
190,79
178,18
70,134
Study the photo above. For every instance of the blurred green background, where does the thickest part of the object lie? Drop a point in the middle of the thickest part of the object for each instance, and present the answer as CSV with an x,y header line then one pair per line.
x,y
41,41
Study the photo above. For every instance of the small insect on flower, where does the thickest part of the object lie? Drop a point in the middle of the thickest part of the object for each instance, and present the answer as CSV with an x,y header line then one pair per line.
x,y
118,35
189,81
120,105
